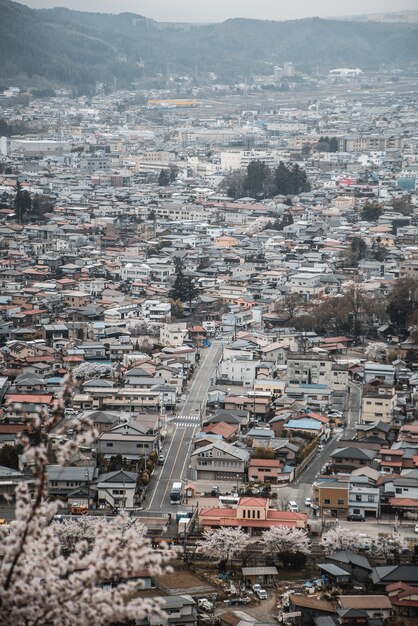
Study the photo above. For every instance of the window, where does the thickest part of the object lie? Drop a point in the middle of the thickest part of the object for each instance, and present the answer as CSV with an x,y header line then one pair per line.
x,y
258,514
243,513
109,445
370,498
358,498
356,511
327,501
340,501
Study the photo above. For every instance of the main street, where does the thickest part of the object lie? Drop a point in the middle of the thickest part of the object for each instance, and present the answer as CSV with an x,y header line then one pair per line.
x,y
181,430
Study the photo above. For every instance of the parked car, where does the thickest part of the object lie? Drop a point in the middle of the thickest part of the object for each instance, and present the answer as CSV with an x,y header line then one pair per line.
x,y
355,517
292,506
308,501
161,459
261,594
416,528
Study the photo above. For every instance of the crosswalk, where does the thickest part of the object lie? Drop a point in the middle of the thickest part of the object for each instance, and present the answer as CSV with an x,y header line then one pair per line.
x,y
186,420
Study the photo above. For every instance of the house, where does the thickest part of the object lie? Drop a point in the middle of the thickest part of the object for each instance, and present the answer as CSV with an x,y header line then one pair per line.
x,y
404,598
373,431
264,576
179,610
32,404
63,480
310,608
92,351
55,335
233,417
349,459
257,406
117,489
386,574
219,461
226,431
356,564
264,470
237,618
390,460
371,607
253,515
377,371
128,445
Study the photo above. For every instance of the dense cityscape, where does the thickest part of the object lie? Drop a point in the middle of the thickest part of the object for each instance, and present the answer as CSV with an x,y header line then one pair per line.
x,y
209,350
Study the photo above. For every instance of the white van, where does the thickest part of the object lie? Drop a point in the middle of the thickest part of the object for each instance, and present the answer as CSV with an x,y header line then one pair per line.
x,y
292,506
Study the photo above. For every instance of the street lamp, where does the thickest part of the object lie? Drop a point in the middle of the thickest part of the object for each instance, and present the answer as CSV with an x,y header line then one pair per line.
x,y
88,489
238,476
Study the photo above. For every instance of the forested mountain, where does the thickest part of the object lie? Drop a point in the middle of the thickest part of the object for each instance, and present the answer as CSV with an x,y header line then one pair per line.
x,y
77,48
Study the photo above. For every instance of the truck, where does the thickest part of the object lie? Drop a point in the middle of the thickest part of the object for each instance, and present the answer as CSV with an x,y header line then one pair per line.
x,y
259,592
183,525
175,493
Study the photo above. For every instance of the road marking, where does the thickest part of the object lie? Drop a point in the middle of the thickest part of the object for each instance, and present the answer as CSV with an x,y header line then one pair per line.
x,y
159,478
179,451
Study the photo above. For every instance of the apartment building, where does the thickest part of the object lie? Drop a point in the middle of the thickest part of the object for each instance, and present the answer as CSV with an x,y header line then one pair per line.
x,y
377,405
309,368
330,498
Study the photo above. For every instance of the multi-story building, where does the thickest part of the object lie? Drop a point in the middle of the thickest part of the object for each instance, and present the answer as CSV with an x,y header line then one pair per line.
x,y
330,497
377,405
363,497
309,368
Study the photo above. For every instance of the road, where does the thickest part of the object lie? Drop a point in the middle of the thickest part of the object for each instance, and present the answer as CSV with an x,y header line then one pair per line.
x,y
181,430
301,488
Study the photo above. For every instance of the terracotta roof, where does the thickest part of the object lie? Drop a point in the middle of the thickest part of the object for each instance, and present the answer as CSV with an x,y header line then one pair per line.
x,y
311,602
364,602
249,501
264,463
221,428
404,502
390,452
29,398
11,428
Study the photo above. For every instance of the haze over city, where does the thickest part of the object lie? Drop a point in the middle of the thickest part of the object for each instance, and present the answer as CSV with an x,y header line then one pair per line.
x,y
219,10
208,313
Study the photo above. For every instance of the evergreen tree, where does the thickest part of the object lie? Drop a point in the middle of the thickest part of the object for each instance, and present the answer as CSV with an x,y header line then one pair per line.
x,y
22,202
257,176
371,211
164,178
184,287
333,144
281,177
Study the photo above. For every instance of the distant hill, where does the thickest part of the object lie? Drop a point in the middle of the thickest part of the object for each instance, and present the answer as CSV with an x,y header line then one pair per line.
x,y
399,16
76,48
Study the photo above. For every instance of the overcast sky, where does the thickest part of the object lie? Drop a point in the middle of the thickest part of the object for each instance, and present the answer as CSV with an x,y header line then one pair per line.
x,y
219,10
